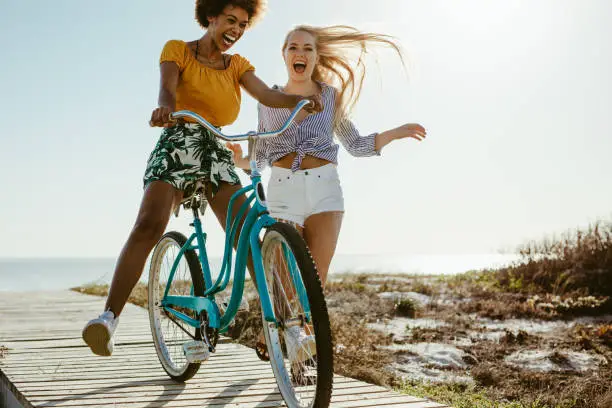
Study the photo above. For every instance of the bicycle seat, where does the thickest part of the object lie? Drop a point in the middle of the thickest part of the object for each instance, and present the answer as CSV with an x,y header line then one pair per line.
x,y
197,199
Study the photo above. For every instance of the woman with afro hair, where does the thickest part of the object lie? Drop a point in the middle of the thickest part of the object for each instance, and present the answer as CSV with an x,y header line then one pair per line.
x,y
202,77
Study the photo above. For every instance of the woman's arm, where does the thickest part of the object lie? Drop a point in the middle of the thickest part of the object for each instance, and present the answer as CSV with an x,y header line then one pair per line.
x,y
413,130
275,98
169,76
242,161
371,145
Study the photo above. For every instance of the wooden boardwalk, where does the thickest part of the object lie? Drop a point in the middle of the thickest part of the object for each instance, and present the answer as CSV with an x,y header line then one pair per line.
x,y
48,365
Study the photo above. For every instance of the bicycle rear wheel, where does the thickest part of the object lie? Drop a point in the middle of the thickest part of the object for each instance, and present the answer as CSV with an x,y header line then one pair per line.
x,y
300,347
169,334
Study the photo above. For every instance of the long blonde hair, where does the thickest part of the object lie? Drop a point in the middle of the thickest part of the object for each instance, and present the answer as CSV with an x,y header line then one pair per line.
x,y
334,45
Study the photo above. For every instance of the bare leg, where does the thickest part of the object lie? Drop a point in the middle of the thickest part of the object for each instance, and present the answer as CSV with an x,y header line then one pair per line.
x,y
158,201
321,233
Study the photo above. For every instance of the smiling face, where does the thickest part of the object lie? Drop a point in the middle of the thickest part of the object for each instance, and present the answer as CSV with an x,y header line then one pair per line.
x,y
228,27
300,55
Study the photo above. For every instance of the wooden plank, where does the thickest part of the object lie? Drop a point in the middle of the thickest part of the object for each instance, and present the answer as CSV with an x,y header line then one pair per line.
x,y
338,400
104,370
147,376
231,372
69,331
173,388
236,394
86,359
131,350
142,375
165,383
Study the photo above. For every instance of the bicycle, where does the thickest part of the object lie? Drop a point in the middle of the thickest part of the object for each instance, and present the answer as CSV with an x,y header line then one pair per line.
x,y
186,320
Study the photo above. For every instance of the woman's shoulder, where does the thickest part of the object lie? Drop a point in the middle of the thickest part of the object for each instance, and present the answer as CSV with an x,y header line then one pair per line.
x,y
239,60
175,51
173,43
239,65
238,57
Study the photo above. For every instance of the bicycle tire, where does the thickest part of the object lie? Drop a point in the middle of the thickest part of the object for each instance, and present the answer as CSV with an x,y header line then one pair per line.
x,y
296,392
169,350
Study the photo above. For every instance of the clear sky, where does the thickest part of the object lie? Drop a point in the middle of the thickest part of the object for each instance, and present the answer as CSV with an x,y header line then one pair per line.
x,y
515,95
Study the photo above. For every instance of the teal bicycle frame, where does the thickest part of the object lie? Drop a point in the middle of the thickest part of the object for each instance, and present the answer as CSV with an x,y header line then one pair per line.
x,y
257,218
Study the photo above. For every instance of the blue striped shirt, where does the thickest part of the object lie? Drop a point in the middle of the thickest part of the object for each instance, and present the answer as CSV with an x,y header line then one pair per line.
x,y
313,136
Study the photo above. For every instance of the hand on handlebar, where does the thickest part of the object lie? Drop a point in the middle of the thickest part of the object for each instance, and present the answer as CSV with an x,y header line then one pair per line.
x,y
315,105
237,155
161,117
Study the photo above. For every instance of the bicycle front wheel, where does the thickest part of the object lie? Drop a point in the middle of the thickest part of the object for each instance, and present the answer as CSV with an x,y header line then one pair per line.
x,y
169,334
299,346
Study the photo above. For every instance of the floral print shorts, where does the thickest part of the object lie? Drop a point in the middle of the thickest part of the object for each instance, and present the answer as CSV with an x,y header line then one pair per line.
x,y
187,153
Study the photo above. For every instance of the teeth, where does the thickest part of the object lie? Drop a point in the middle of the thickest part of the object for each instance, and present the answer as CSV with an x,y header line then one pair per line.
x,y
229,38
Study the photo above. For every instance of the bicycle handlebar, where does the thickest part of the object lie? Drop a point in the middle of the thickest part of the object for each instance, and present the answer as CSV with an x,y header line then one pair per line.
x,y
245,136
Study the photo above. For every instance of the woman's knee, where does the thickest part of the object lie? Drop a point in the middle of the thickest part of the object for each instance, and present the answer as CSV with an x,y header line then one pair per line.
x,y
148,226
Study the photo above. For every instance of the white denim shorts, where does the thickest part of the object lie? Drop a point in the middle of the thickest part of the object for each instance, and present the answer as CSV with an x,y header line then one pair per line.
x,y
296,196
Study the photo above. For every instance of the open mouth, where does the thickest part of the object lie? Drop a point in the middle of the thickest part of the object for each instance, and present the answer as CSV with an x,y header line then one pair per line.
x,y
299,67
229,39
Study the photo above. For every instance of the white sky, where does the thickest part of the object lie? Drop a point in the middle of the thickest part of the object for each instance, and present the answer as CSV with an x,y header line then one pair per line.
x,y
515,96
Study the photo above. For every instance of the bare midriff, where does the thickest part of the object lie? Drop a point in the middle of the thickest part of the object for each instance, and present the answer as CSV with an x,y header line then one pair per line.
x,y
308,162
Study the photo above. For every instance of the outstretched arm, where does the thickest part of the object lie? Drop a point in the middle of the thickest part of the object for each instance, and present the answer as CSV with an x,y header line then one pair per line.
x,y
409,130
362,146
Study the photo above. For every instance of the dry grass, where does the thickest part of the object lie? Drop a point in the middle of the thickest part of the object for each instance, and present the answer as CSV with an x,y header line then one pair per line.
x,y
578,263
367,305
546,389
558,278
604,334
358,351
460,396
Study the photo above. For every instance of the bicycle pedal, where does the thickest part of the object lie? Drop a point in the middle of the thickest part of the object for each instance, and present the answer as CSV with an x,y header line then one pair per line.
x,y
196,351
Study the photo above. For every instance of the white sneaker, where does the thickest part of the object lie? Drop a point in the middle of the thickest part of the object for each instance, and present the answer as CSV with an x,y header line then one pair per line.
x,y
300,346
98,333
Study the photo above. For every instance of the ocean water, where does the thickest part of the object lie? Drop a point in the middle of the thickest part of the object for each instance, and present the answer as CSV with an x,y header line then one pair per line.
x,y
18,275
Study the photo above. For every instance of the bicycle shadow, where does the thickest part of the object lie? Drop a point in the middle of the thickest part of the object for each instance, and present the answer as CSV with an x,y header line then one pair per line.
x,y
99,392
269,399
171,391
244,384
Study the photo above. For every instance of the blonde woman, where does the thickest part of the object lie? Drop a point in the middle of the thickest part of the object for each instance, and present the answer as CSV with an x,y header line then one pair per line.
x,y
304,187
